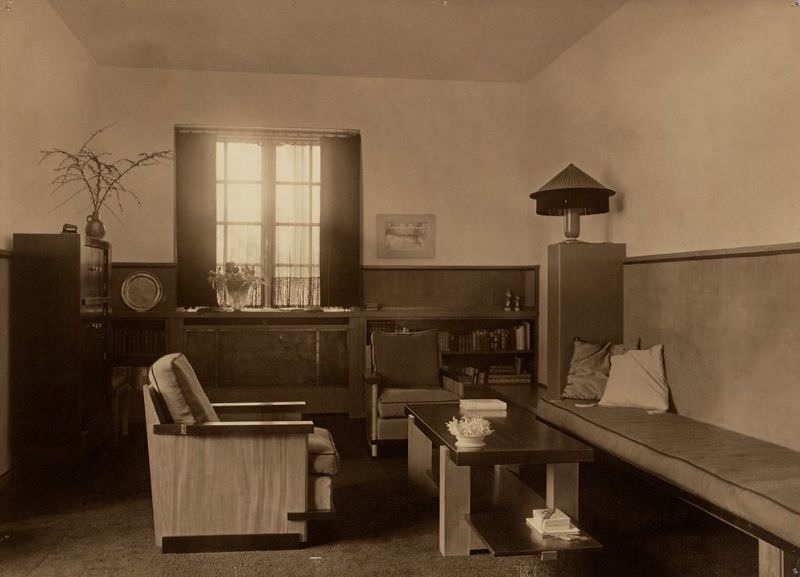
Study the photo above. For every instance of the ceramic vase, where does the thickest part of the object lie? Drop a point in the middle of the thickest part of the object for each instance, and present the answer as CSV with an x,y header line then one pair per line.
x,y
94,226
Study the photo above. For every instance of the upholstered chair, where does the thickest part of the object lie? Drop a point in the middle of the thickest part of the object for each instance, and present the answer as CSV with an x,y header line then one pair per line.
x,y
231,476
406,368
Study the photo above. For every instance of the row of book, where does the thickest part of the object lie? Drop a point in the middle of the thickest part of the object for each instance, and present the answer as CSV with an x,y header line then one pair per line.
x,y
138,341
497,374
499,339
516,338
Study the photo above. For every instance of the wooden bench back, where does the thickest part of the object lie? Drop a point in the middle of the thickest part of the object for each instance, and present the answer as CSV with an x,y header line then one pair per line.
x,y
730,325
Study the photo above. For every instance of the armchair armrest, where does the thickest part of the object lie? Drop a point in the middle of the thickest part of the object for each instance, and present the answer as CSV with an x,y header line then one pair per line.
x,y
220,428
452,383
260,411
276,406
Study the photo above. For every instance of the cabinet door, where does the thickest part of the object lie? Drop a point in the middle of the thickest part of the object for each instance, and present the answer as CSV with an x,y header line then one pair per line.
x,y
93,272
257,357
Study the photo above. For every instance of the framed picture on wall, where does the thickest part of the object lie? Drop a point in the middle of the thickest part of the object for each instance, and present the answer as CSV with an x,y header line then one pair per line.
x,y
406,235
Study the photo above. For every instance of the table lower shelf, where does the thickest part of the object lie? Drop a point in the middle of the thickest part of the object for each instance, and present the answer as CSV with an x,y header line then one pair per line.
x,y
506,534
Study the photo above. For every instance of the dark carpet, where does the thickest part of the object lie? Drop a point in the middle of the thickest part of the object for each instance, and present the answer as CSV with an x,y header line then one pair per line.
x,y
102,526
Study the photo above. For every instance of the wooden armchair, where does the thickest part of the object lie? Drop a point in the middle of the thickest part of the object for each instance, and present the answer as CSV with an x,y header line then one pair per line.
x,y
406,369
221,484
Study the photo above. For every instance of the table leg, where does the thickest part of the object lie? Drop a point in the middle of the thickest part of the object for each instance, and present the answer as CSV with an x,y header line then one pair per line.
x,y
455,534
562,488
420,453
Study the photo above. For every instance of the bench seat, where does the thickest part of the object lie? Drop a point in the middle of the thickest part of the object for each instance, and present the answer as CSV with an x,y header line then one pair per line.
x,y
749,478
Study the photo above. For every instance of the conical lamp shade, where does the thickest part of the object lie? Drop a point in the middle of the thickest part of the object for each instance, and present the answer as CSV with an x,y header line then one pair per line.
x,y
572,189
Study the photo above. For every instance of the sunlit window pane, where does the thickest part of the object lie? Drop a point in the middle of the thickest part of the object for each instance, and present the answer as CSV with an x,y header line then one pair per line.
x,y
244,161
220,160
315,163
292,203
292,163
220,244
220,202
244,202
294,271
315,245
292,245
244,244
315,204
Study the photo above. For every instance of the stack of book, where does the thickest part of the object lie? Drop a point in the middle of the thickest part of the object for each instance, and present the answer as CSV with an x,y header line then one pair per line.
x,y
551,522
508,373
482,407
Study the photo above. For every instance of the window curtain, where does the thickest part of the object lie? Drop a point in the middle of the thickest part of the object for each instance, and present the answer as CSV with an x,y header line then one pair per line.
x,y
195,216
340,229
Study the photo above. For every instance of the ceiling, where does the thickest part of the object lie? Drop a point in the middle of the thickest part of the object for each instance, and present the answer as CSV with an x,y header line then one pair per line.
x,y
484,40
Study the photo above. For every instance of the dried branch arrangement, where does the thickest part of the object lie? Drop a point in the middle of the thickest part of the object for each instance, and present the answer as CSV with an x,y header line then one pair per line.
x,y
96,174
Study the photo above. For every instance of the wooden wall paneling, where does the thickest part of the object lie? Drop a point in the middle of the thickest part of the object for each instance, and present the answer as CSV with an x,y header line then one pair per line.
x,y
449,287
333,359
165,272
584,300
729,326
201,347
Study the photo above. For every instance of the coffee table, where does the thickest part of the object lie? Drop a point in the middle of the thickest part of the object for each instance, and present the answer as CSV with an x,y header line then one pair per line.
x,y
482,501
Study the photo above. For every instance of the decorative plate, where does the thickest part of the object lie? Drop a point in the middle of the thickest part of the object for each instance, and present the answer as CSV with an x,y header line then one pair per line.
x,y
141,291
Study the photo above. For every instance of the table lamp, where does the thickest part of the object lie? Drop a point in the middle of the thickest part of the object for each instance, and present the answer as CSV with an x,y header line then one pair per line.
x,y
572,193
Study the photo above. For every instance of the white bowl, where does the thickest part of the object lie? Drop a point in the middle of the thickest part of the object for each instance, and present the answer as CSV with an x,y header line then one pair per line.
x,y
471,441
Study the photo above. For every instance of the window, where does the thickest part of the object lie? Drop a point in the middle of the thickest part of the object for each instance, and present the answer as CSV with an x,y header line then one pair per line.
x,y
285,202
268,216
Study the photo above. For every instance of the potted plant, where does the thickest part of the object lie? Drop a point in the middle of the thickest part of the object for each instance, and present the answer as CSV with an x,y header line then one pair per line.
x,y
94,173
233,284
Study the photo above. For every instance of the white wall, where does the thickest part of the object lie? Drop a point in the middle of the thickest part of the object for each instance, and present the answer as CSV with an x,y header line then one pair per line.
x,y
454,149
44,102
691,111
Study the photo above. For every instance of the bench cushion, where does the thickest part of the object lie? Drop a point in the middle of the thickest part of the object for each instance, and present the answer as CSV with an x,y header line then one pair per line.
x,y
752,479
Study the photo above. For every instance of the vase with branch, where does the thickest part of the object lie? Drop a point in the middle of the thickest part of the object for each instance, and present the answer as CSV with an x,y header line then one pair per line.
x,y
88,171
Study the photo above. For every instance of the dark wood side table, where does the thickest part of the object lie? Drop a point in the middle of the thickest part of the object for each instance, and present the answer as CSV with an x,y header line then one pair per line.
x,y
498,521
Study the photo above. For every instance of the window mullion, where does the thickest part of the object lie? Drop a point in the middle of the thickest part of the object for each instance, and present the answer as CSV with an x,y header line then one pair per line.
x,y
268,217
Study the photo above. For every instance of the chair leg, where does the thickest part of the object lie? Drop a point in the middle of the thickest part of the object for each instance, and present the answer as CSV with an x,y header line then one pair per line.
x,y
373,449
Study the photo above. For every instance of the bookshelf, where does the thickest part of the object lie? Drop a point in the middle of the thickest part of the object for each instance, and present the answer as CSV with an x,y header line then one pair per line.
x,y
486,347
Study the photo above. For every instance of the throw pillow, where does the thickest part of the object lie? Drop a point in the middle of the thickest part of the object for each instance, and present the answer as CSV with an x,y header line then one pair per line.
x,y
192,391
588,371
631,345
162,376
637,379
407,360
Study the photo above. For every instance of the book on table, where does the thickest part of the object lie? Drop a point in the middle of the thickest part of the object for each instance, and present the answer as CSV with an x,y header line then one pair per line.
x,y
551,522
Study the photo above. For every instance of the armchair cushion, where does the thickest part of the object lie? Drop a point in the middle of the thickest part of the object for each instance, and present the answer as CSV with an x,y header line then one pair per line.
x,y
407,360
193,391
163,378
392,401
319,492
323,458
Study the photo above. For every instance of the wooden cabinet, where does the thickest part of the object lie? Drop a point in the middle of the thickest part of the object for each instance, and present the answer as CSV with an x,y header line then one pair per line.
x,y
584,301
59,362
320,356
270,357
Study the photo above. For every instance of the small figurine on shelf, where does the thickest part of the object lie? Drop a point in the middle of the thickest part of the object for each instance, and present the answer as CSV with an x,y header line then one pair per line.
x,y
516,303
509,295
